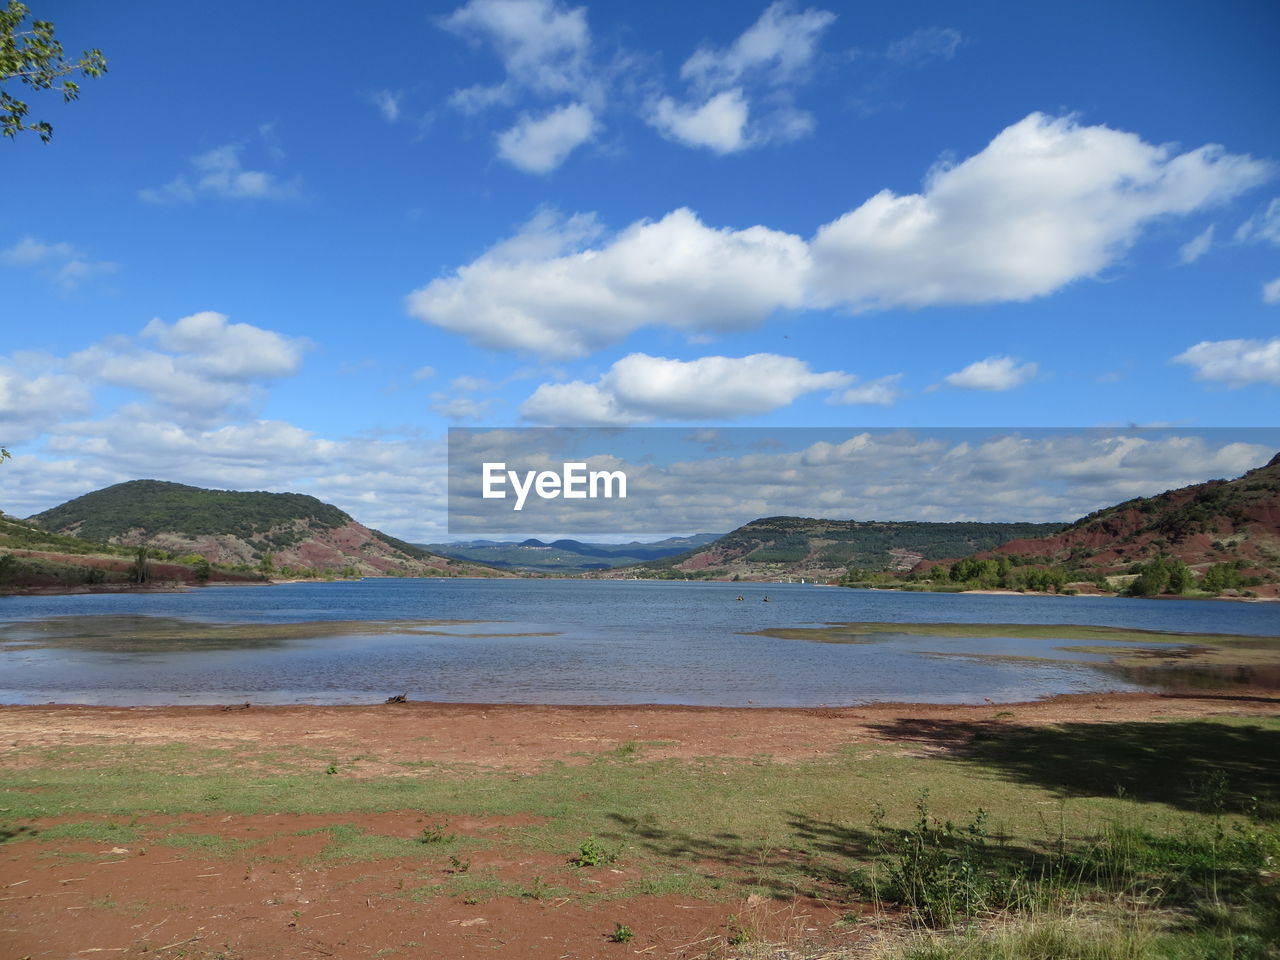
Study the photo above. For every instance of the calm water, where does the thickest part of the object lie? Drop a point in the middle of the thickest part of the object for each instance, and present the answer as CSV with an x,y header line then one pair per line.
x,y
603,642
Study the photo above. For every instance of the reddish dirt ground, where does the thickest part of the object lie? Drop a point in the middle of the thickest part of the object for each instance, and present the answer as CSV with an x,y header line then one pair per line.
x,y
104,900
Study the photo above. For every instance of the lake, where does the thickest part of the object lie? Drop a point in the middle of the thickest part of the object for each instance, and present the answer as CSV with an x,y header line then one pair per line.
x,y
562,641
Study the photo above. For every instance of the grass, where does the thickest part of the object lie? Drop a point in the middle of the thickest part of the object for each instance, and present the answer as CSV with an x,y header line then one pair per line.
x,y
1122,841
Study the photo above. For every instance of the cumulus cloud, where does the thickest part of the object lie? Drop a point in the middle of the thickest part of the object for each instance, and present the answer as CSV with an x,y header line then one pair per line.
x,y
766,62
1196,247
1236,363
545,49
541,144
640,388
65,264
993,373
543,46
719,124
543,292
1271,291
780,47
1047,202
33,393
205,366
220,173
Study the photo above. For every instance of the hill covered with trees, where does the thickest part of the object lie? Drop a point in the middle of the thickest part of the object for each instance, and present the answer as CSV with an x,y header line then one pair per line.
x,y
274,534
801,547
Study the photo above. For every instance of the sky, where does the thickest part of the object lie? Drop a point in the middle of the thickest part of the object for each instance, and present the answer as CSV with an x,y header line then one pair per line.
x,y
287,246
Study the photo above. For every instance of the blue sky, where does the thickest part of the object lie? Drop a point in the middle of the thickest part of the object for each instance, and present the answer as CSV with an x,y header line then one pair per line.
x,y
286,246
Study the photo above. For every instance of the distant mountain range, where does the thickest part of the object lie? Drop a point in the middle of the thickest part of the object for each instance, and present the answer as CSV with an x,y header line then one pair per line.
x,y
272,533
565,556
799,547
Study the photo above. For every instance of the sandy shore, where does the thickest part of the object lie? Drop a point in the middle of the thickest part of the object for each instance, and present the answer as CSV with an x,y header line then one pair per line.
x,y
525,737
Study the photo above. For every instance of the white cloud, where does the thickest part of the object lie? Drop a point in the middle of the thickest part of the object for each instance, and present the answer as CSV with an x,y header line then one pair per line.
x,y
1235,362
772,56
219,173
1047,202
181,433
1263,226
780,46
34,394
1271,291
719,124
925,45
209,366
228,351
883,391
388,103
542,43
993,373
1196,247
66,265
541,144
639,388
29,252
539,293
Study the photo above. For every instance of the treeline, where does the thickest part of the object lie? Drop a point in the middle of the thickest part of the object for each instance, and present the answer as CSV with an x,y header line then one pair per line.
x,y
1162,576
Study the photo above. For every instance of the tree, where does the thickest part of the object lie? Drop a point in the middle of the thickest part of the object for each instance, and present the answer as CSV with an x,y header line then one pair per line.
x,y
33,57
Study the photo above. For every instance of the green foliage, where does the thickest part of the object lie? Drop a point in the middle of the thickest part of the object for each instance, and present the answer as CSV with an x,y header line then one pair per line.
x,y
1161,575
435,833
35,58
621,933
592,853
1223,576
937,870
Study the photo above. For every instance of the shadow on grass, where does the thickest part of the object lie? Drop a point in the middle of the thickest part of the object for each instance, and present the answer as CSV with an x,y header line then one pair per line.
x,y
1194,766
820,858
12,833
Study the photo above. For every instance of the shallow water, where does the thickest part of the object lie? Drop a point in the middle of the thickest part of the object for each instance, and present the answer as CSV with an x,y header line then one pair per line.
x,y
562,641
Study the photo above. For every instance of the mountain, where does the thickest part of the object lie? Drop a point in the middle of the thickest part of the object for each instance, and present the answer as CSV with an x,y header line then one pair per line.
x,y
270,532
565,556
1233,525
775,547
33,560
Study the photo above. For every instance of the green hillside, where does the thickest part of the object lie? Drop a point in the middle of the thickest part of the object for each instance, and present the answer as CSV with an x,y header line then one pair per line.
x,y
152,506
801,546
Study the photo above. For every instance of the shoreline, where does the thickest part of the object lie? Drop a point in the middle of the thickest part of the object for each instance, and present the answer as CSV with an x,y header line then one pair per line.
x,y
527,736
185,587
